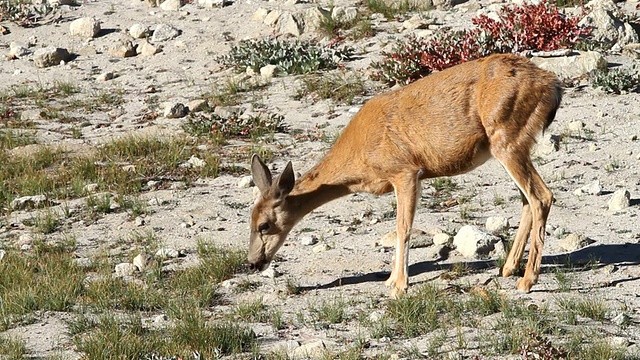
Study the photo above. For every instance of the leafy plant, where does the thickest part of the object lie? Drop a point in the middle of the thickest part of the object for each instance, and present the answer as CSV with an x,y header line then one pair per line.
x,y
291,57
24,13
519,28
247,127
615,81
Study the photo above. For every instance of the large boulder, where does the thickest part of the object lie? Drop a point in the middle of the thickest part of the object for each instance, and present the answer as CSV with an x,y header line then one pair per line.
x,y
570,67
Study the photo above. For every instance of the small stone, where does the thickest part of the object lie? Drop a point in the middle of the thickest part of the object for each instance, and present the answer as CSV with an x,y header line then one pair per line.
x,y
197,105
105,76
196,162
472,242
308,240
139,221
2,254
125,269
376,315
621,319
18,50
497,223
139,31
26,247
84,263
167,253
212,3
164,32
559,231
574,242
228,284
124,49
129,168
269,272
171,5
86,27
90,188
50,56
268,71
30,202
4,30
312,350
592,189
547,144
147,49
620,200
245,182
344,14
175,110
441,239
576,126
321,248
140,262
160,319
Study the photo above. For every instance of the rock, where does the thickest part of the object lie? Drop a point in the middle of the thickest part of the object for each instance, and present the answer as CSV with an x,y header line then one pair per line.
x,y
229,283
606,28
164,32
621,319
30,202
620,200
212,3
376,315
165,253
414,22
146,49
344,14
418,239
441,239
308,240
245,182
2,254
260,14
269,272
570,67
547,144
288,24
123,48
618,342
196,162
632,50
84,263
4,30
574,242
90,188
175,110
125,269
268,71
497,223
139,31
139,221
592,189
105,76
86,27
314,17
272,18
474,243
171,5
321,248
50,56
197,105
140,262
18,50
576,126
312,350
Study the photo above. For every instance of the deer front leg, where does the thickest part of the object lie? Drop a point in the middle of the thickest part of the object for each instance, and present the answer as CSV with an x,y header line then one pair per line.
x,y
407,190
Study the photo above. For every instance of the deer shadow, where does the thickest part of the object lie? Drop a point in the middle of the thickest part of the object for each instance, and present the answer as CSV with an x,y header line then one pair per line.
x,y
597,255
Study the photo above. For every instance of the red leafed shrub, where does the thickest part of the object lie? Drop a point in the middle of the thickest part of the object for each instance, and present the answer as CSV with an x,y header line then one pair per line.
x,y
519,28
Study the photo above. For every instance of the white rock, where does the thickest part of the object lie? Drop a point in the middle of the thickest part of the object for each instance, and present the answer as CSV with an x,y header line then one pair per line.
x,y
608,29
164,32
123,48
90,188
269,272
197,105
18,50
320,248
164,253
245,182
592,189
288,24
272,18
86,27
312,350
621,319
50,56
211,3
175,110
472,242
547,144
441,239
29,202
260,14
139,31
105,76
196,162
620,200
376,315
344,14
170,5
139,221
229,283
2,254
146,49
84,263
308,240
497,223
570,67
125,269
140,261
574,242
268,71
314,17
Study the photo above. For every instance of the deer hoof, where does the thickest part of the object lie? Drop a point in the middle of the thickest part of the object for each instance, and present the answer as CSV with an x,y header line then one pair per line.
x,y
525,285
397,292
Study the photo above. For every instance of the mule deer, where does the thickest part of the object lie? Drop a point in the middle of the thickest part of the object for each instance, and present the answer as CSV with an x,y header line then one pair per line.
x,y
445,124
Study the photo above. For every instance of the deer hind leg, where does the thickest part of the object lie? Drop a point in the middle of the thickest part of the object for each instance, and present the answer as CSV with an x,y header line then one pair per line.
x,y
407,190
539,198
517,249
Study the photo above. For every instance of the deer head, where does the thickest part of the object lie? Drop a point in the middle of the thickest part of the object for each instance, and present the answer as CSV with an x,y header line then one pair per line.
x,y
272,216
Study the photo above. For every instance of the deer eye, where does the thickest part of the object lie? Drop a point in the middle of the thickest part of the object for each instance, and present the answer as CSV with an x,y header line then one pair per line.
x,y
263,227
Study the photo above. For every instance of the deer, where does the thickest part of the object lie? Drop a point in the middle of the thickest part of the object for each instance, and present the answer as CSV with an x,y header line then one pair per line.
x,y
444,124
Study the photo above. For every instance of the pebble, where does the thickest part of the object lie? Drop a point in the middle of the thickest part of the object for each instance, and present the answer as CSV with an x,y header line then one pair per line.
x,y
147,49
105,76
140,261
245,182
497,223
269,272
123,48
125,269
175,110
441,239
167,253
308,240
574,242
2,254
29,202
139,31
321,248
50,56
139,221
621,319
164,32
86,27
620,200
592,189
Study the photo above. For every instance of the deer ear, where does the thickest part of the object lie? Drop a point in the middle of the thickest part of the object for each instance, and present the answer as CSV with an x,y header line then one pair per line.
x,y
284,182
261,174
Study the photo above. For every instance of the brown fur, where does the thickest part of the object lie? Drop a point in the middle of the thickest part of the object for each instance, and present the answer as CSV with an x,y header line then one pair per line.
x,y
445,124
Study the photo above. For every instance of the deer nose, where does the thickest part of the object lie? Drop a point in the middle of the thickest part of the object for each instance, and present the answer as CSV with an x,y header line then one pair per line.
x,y
256,266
